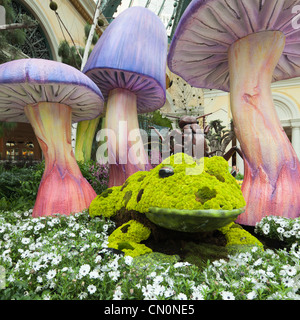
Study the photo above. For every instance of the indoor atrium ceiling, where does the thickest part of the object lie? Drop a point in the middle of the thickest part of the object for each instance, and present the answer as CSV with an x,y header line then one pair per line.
x,y
170,11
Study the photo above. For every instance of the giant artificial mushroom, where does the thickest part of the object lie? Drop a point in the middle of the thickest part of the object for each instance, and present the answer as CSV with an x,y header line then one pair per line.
x,y
128,64
50,95
242,46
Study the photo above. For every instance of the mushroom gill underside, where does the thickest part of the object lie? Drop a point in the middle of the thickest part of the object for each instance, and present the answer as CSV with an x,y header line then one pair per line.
x,y
203,38
150,94
15,96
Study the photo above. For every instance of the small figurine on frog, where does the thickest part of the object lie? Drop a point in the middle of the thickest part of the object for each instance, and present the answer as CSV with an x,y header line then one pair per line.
x,y
179,198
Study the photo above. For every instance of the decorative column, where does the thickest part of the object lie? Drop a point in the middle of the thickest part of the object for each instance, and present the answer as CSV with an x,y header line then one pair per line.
x,y
296,136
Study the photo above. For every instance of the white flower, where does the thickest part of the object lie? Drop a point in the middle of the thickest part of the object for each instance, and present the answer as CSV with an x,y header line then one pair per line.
x,y
98,259
266,228
36,266
2,229
288,282
91,289
5,236
158,279
280,230
181,296
39,279
94,274
270,268
226,295
114,264
168,293
84,269
118,294
25,240
251,295
38,288
170,281
287,234
82,295
114,275
51,274
197,296
282,272
254,249
181,264
55,220
258,262
148,290
290,271
270,274
263,278
217,263
283,223
296,226
128,260
56,260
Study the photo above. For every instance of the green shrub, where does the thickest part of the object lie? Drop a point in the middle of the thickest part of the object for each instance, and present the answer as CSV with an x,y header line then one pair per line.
x,y
19,186
96,174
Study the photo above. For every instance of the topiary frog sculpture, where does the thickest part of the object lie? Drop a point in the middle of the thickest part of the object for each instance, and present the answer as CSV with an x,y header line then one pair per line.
x,y
179,194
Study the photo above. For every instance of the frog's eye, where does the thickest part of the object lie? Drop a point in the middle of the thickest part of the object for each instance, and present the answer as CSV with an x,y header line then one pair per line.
x,y
166,172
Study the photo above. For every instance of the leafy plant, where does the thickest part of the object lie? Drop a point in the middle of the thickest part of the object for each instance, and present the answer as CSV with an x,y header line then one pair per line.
x,y
218,137
66,258
19,186
96,174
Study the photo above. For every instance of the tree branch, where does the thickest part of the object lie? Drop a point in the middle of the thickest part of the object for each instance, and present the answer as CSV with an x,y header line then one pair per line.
x,y
16,26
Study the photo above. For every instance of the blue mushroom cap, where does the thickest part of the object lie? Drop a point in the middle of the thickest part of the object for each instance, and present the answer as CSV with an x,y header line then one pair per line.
x,y
30,81
131,54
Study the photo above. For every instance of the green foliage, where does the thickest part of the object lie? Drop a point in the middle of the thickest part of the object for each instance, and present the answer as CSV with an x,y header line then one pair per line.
x,y
153,119
128,237
10,40
69,54
239,176
159,120
96,174
19,186
10,14
219,137
211,186
66,258
87,29
282,229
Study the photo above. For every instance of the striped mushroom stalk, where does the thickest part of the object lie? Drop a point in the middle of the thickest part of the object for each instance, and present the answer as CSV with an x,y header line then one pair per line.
x,y
50,95
242,46
128,64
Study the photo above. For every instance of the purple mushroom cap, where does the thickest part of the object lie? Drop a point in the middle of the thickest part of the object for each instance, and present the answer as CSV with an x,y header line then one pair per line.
x,y
30,81
198,52
131,54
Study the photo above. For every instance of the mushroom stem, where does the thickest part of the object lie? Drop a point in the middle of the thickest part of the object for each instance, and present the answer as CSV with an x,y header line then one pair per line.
x,y
85,134
272,169
63,189
126,153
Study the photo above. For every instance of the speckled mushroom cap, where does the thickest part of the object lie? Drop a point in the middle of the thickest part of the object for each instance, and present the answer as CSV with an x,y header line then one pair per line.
x,y
198,52
132,54
30,81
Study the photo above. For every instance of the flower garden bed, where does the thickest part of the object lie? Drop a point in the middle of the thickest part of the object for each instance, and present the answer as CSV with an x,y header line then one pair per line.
x,y
66,258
